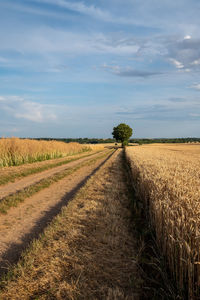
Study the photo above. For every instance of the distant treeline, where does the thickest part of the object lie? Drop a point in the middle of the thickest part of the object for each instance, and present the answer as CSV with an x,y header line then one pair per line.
x,y
138,141
81,140
165,140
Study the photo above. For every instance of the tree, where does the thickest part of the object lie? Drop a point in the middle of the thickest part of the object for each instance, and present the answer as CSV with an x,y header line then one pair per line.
x,y
122,133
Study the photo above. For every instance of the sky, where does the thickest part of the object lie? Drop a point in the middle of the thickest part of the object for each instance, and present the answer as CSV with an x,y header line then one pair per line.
x,y
79,68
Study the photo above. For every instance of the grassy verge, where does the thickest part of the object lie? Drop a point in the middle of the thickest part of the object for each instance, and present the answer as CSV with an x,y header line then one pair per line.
x,y
13,200
14,175
157,283
87,252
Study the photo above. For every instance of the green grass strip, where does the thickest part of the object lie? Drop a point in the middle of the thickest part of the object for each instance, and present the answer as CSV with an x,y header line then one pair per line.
x,y
13,200
11,177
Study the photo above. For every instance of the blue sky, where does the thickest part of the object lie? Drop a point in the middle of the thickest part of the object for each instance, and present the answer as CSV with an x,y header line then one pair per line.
x,y
79,68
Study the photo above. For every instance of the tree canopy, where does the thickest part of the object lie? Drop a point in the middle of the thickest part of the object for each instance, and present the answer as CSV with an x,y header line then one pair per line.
x,y
122,133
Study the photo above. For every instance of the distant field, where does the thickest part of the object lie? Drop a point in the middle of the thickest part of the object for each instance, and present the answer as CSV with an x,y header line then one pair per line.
x,y
166,178
101,146
15,151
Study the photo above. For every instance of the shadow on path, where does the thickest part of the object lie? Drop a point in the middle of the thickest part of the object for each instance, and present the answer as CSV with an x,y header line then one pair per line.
x,y
13,253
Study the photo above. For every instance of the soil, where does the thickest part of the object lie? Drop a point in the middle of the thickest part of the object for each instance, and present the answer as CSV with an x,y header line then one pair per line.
x,y
6,171
28,220
90,251
20,184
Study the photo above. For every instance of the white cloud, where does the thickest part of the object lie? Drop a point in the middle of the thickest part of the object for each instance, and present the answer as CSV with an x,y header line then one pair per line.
x,y
196,86
129,71
184,53
36,11
20,108
46,40
177,63
115,68
150,13
80,7
196,62
187,37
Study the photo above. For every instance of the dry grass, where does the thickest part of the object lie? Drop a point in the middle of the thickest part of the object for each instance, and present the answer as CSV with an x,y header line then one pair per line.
x,y
101,146
167,179
87,252
15,151
9,174
14,199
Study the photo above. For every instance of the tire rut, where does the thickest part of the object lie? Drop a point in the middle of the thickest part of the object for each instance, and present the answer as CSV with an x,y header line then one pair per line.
x,y
14,187
24,223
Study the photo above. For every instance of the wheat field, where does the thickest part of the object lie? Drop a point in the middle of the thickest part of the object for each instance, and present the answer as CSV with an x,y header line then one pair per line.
x,y
167,179
15,151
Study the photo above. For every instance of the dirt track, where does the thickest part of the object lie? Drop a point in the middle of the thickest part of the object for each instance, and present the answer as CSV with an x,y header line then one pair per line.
x,y
19,170
25,222
89,251
20,184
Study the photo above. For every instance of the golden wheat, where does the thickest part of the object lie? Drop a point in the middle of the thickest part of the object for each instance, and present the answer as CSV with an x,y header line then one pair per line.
x,y
167,180
15,151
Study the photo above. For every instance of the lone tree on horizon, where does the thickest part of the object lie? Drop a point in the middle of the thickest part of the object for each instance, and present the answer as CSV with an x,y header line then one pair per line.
x,y
122,133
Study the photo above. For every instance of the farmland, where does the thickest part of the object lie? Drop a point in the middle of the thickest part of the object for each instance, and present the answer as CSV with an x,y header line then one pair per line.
x,y
73,227
14,151
71,198
166,179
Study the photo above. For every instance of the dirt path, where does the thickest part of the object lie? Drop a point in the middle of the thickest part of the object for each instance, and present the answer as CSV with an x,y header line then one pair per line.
x,y
20,184
89,251
25,222
9,171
